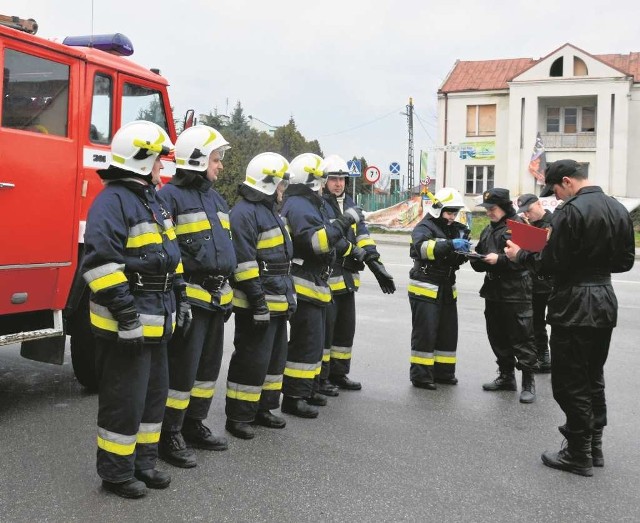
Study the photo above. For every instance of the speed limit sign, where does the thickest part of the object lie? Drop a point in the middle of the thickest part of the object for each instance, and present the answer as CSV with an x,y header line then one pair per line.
x,y
372,174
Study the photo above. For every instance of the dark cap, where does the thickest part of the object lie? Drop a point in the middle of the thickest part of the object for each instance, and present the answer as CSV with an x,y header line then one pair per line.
x,y
495,196
525,201
556,172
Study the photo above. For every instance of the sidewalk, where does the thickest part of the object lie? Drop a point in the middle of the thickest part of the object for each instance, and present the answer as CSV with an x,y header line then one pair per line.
x,y
404,239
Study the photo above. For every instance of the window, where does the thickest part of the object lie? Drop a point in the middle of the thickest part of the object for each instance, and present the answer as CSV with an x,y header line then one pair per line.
x,y
101,110
571,120
35,94
142,103
579,67
479,178
481,120
557,67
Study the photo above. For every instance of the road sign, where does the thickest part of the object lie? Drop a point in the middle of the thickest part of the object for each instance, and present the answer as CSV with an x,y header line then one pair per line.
x,y
372,174
394,168
355,167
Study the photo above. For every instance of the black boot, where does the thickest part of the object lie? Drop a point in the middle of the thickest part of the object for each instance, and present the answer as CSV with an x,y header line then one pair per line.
x,y
528,392
447,380
505,381
298,407
596,448
575,457
316,399
199,436
424,385
345,383
174,451
328,389
132,488
240,429
153,478
544,361
267,419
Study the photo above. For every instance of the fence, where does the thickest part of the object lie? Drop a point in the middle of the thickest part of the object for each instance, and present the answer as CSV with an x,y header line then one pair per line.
x,y
374,202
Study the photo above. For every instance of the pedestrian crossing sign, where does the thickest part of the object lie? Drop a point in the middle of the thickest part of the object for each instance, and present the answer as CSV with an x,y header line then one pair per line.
x,y
354,167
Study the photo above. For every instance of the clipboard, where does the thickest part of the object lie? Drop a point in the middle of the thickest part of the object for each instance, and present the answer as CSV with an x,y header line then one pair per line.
x,y
471,255
528,237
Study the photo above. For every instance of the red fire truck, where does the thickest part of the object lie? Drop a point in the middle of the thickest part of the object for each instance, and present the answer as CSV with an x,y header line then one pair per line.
x,y
61,105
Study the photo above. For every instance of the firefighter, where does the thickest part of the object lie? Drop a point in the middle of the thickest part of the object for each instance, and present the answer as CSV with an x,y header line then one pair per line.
x,y
132,266
314,239
202,228
352,253
507,292
530,206
436,246
263,298
591,236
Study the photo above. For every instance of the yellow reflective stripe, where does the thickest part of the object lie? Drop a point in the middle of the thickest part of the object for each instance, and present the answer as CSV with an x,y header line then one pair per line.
x,y
186,228
116,448
147,238
240,302
198,294
348,251
324,297
247,275
297,373
429,251
171,233
110,280
455,293
268,243
421,361
366,242
320,242
180,268
277,306
422,291
226,298
445,359
326,357
148,437
340,355
243,396
337,286
107,324
202,393
176,403
224,220
356,282
272,386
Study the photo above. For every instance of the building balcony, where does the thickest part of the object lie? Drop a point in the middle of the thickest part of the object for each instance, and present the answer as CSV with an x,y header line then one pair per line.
x,y
568,141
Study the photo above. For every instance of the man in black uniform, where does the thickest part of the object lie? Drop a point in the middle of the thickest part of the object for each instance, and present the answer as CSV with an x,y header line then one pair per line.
x,y
507,293
591,237
530,206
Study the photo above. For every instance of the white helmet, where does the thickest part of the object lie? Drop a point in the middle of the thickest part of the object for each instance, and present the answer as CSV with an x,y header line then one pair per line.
x,y
195,144
266,171
446,198
334,165
306,168
137,144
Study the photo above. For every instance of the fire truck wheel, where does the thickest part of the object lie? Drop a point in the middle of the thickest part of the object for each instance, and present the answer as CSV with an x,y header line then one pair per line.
x,y
83,360
83,346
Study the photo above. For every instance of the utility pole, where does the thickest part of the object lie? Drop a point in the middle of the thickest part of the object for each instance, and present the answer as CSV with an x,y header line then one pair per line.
x,y
409,115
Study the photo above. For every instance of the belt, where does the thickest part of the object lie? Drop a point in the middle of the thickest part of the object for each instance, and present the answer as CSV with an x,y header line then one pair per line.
x,y
506,275
274,269
324,271
438,272
209,282
148,283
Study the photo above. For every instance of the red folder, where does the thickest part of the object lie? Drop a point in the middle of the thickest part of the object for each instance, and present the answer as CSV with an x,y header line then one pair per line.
x,y
528,237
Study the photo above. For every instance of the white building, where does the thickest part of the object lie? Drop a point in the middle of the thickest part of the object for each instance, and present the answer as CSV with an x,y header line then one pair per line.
x,y
585,107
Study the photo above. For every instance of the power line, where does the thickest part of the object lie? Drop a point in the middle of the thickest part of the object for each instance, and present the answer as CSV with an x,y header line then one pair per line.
x,y
363,124
423,127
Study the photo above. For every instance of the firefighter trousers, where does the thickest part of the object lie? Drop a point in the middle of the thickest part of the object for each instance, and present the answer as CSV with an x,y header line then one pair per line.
x,y
256,367
510,333
194,366
304,355
578,355
339,333
132,395
539,322
434,339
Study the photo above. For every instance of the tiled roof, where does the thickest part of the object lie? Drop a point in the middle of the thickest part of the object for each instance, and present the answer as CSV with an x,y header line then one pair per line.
x,y
488,75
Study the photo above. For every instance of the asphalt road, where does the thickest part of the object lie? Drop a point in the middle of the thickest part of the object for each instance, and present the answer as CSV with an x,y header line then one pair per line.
x,y
387,453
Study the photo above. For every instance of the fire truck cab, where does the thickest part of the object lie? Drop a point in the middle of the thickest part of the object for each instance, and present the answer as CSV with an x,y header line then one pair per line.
x,y
61,105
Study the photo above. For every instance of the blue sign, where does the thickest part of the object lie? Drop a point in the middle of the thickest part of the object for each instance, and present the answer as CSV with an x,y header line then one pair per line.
x,y
394,168
355,168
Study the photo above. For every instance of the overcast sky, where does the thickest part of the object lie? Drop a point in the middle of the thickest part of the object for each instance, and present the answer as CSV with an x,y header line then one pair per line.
x,y
344,69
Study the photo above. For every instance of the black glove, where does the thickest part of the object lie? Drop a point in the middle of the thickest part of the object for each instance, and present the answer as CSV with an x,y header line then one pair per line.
x,y
261,314
350,216
184,316
385,280
129,328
